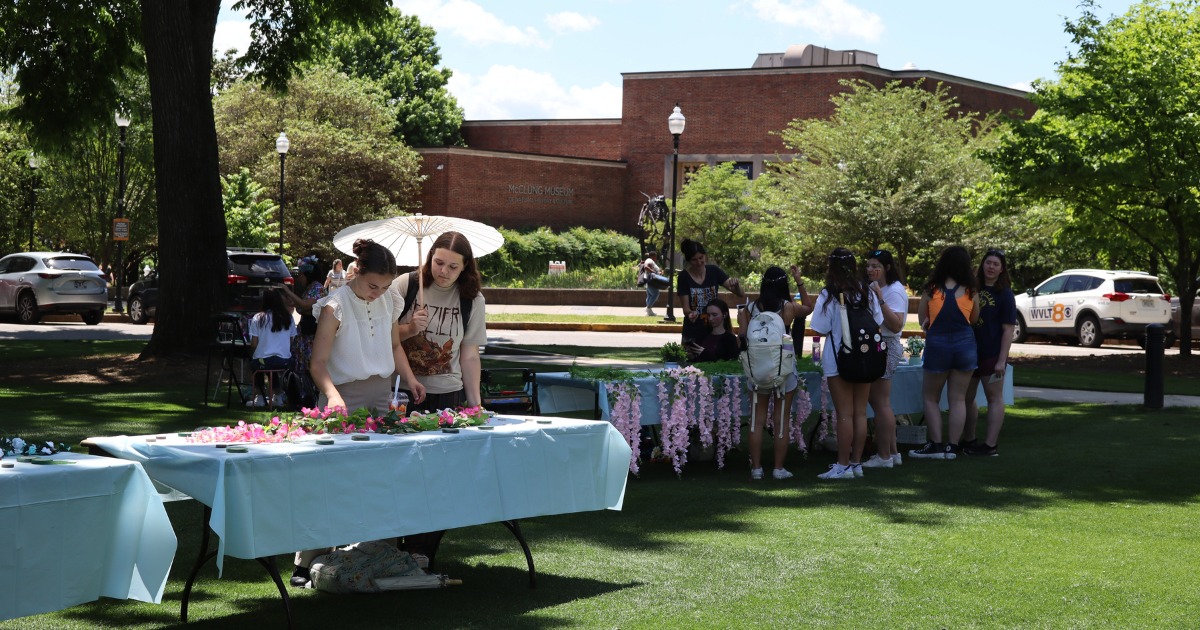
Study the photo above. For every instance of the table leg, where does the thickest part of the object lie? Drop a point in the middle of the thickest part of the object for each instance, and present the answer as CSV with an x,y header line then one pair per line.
x,y
515,527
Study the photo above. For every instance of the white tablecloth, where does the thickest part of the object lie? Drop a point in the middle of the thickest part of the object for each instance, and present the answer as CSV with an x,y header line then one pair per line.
x,y
558,392
279,498
73,533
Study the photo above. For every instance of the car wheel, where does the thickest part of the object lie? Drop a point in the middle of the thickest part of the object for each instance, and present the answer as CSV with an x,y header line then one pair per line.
x,y
27,309
91,318
137,311
1020,332
1088,331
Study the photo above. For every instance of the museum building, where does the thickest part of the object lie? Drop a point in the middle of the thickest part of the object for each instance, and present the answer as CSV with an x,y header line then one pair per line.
x,y
596,172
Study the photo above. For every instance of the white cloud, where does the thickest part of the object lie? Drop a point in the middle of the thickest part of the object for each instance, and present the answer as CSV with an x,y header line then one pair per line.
x,y
569,21
1023,85
469,21
826,18
233,32
508,92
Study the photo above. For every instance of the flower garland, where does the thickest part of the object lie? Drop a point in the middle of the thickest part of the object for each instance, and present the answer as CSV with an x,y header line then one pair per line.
x,y
802,407
15,446
335,420
625,403
828,425
728,418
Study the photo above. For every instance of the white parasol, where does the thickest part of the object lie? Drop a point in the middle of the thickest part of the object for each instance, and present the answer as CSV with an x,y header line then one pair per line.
x,y
404,236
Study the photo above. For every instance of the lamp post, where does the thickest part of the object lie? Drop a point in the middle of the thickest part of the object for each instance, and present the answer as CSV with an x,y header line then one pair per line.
x,y
281,146
675,123
34,163
122,121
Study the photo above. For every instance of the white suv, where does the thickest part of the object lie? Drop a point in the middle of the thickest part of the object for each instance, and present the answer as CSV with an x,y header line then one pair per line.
x,y
1088,305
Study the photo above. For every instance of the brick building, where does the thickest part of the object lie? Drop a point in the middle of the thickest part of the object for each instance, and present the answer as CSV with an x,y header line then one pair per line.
x,y
563,173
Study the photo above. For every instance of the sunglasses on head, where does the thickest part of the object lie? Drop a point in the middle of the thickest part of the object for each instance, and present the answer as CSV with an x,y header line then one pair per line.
x,y
994,252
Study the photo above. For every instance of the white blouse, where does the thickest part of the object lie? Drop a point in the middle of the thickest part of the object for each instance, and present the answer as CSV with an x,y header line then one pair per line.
x,y
362,346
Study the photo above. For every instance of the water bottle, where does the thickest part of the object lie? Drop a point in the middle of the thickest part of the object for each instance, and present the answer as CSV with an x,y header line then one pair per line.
x,y
816,349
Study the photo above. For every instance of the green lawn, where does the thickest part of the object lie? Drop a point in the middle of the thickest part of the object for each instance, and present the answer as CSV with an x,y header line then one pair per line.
x,y
1086,520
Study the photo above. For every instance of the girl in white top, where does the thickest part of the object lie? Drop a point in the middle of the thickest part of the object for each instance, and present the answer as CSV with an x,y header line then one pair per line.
x,y
849,399
889,290
271,332
357,345
336,278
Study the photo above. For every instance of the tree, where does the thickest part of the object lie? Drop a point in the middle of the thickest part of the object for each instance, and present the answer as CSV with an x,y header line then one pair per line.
x,y
344,166
400,54
250,219
714,210
887,169
74,62
1117,136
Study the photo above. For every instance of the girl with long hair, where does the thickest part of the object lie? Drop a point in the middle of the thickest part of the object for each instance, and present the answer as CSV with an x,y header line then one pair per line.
x,y
441,341
773,297
993,339
271,331
720,344
843,285
887,285
947,312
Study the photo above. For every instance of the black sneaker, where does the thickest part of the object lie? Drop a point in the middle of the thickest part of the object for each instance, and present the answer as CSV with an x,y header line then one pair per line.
x,y
952,451
931,450
301,576
982,450
968,444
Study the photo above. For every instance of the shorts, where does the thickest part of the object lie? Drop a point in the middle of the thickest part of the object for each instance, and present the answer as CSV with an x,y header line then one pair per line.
x,y
955,351
895,354
987,367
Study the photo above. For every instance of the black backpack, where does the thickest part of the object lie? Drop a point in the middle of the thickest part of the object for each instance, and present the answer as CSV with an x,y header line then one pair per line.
x,y
410,298
862,356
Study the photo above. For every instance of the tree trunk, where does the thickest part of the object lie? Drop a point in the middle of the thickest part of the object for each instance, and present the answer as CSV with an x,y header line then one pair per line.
x,y
178,36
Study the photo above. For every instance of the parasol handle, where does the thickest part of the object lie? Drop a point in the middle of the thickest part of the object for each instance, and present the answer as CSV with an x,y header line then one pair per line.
x,y
420,276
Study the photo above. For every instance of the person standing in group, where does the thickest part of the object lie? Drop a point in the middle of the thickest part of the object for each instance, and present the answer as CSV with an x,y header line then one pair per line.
x,y
271,332
947,312
888,287
310,287
443,334
843,286
720,344
357,349
697,285
650,275
773,297
336,276
993,339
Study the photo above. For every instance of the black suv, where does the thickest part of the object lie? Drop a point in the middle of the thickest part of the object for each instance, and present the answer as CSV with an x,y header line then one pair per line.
x,y
250,271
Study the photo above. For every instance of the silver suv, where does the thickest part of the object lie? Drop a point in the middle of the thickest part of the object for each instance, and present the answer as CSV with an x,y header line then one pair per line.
x,y
1088,305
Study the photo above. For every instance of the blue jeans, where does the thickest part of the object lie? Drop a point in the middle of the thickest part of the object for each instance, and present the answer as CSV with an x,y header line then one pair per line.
x,y
952,351
653,288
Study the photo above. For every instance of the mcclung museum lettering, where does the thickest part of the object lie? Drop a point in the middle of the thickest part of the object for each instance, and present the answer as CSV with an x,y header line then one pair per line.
x,y
533,193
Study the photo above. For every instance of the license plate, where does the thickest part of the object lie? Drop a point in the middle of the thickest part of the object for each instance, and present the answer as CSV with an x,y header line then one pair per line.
x,y
81,284
1147,303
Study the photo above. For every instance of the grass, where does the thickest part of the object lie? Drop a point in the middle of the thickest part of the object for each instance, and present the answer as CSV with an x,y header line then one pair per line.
x,y
1084,521
1033,376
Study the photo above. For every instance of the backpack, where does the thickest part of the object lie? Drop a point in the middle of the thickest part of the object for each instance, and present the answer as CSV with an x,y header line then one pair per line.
x,y
862,354
769,358
410,299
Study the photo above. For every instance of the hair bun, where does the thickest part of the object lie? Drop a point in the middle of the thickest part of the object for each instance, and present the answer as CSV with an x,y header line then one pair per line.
x,y
361,245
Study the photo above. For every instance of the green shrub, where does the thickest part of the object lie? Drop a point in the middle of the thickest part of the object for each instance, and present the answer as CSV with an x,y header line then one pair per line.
x,y
526,256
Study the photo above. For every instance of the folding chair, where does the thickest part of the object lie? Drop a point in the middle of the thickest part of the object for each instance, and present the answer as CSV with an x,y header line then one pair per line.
x,y
521,399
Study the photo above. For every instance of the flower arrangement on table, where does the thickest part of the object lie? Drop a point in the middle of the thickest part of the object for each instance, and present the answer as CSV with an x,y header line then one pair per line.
x,y
915,346
331,420
16,446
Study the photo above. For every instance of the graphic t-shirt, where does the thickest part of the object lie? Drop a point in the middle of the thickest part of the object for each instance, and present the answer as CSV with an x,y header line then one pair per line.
x,y
997,307
699,295
434,353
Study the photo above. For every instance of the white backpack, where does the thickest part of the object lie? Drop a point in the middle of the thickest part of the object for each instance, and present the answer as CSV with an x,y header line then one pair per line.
x,y
769,358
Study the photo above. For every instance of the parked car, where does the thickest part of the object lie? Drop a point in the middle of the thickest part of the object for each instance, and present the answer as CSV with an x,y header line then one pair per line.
x,y
249,272
1089,305
35,283
1176,318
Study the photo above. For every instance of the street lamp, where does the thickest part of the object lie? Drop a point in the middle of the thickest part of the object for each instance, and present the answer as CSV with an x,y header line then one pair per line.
x,y
122,121
281,146
34,163
675,123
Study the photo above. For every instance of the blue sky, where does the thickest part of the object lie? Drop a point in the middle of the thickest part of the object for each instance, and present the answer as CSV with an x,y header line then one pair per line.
x,y
518,59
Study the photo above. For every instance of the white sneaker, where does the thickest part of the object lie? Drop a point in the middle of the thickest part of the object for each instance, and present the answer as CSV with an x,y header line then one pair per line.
x,y
896,460
756,473
857,468
278,401
258,401
877,462
781,473
837,471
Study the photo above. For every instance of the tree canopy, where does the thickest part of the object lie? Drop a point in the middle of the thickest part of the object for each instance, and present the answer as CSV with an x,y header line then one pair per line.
x,y
715,209
1117,137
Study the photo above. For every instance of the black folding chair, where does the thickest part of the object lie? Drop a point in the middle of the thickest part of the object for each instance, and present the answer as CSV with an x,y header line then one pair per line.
x,y
515,398
230,343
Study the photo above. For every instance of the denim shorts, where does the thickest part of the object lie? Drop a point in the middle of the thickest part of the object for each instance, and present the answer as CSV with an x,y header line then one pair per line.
x,y
955,351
